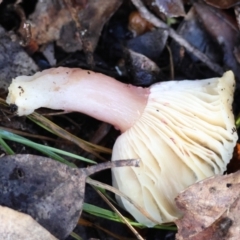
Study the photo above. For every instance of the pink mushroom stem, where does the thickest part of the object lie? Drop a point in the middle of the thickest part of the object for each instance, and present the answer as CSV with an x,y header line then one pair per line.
x,y
94,94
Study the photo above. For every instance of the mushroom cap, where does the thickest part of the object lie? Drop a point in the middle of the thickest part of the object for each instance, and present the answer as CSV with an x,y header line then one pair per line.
x,y
185,134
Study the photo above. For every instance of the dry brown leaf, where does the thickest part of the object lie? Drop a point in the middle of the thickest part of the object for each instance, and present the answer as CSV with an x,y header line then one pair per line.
x,y
47,21
19,226
211,209
53,21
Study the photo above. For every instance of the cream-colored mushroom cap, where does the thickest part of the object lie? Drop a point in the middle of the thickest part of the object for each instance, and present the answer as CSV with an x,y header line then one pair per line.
x,y
185,134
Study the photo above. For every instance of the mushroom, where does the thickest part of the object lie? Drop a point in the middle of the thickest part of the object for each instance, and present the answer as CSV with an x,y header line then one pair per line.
x,y
183,131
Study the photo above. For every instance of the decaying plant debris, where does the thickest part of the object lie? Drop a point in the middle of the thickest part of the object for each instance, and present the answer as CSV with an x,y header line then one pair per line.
x,y
211,209
50,192
174,41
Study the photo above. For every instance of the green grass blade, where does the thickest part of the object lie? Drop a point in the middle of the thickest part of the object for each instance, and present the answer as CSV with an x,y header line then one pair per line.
x,y
7,149
70,155
101,212
107,214
76,236
238,121
50,151
41,148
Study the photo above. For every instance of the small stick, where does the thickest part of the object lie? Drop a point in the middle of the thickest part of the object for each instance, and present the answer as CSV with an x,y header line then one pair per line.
x,y
106,165
180,40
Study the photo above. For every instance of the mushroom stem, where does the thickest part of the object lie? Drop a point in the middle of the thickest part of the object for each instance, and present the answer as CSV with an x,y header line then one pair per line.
x,y
84,91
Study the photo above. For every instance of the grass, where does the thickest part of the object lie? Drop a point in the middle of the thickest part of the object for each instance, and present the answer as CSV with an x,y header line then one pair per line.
x,y
237,122
49,151
110,215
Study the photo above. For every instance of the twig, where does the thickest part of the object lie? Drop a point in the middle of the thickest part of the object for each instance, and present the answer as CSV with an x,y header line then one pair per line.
x,y
180,40
106,165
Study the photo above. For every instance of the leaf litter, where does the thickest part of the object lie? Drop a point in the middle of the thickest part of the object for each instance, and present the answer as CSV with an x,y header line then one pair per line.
x,y
211,209
51,192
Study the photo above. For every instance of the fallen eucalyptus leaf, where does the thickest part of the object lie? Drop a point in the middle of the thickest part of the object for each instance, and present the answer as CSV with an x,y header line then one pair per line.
x,y
211,209
50,192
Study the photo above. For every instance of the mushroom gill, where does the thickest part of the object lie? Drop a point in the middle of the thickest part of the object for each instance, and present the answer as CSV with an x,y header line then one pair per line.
x,y
185,134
